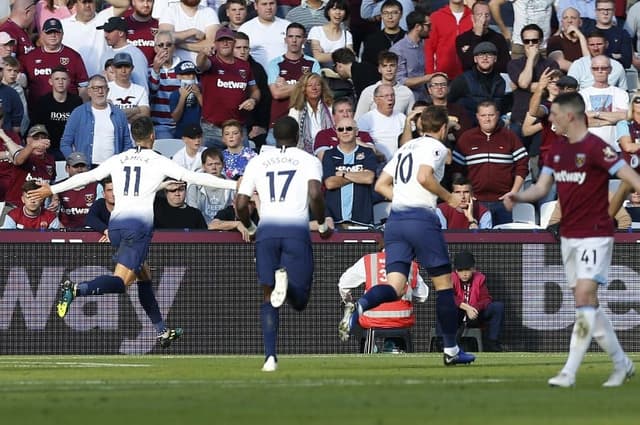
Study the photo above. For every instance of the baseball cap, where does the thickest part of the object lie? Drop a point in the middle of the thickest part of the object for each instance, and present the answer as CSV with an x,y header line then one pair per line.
x,y
224,32
76,158
37,129
485,47
122,58
51,25
192,131
6,38
186,67
568,82
464,260
114,23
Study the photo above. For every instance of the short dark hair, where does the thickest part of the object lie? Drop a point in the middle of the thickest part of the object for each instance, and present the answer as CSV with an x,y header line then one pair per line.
x,y
285,130
572,101
212,153
296,25
532,27
419,103
105,181
141,129
238,35
337,4
60,68
433,118
340,101
460,180
343,55
29,185
479,3
231,123
487,104
108,63
596,33
390,3
240,2
415,18
12,62
387,56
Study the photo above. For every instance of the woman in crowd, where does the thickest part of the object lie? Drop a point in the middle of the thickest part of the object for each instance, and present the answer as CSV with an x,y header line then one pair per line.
x,y
311,106
333,35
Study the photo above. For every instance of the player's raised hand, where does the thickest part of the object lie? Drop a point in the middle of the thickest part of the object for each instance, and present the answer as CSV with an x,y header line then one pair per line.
x,y
325,230
43,192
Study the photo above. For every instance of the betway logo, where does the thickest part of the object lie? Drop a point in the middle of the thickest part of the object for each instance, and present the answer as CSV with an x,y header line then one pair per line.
x,y
232,84
75,211
543,285
35,305
41,71
570,177
143,43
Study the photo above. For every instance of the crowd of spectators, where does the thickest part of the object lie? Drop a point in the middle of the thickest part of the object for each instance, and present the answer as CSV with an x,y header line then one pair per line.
x,y
217,75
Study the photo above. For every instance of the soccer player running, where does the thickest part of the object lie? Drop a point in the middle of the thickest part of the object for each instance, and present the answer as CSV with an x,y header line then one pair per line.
x,y
137,174
288,182
581,167
411,180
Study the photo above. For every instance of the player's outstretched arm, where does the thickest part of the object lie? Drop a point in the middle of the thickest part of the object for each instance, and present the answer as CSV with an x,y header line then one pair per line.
x,y
532,194
384,185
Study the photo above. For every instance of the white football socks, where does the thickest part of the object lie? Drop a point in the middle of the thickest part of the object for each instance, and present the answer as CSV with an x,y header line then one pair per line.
x,y
580,338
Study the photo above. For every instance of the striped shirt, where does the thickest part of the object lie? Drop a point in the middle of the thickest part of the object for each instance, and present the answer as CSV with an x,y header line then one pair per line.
x,y
161,85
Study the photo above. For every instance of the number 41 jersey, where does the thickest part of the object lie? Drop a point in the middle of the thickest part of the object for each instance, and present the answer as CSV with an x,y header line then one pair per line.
x,y
281,177
410,198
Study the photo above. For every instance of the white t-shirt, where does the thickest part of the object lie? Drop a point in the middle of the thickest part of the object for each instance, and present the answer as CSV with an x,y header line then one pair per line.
x,y
139,75
174,15
88,41
531,12
329,46
266,40
404,100
383,130
125,98
103,135
160,6
191,163
408,193
136,175
285,173
609,99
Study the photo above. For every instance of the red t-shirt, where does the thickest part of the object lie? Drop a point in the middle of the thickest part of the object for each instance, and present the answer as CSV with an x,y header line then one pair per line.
x,y
142,35
75,205
225,87
43,167
41,221
581,172
38,65
23,41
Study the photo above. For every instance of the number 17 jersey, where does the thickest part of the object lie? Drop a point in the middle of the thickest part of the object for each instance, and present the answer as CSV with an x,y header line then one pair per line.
x,y
281,177
410,198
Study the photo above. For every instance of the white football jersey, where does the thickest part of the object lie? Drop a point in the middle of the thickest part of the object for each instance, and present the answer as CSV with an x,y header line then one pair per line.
x,y
404,166
137,174
281,176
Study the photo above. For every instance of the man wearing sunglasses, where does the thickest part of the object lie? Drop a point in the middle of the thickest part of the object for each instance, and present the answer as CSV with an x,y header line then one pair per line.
x,y
348,174
525,72
605,105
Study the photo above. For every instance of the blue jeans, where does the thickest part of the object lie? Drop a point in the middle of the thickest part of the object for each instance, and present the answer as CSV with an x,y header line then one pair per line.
x,y
499,214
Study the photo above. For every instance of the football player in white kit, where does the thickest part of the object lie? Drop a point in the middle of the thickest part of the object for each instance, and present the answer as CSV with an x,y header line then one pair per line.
x,y
411,179
137,174
288,182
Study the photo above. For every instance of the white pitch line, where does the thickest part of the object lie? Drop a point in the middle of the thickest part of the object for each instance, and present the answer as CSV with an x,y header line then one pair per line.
x,y
26,364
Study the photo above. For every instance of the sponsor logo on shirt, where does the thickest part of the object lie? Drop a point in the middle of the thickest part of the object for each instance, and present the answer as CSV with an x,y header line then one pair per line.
x,y
564,176
232,84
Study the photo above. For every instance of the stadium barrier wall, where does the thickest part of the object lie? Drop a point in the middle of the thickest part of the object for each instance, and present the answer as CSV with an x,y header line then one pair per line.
x,y
205,282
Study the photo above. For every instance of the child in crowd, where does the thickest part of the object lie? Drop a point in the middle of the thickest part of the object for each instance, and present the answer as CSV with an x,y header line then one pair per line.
x,y
186,102
189,157
474,301
209,200
10,74
31,215
236,155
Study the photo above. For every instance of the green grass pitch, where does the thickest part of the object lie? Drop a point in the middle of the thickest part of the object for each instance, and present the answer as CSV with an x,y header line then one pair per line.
x,y
500,388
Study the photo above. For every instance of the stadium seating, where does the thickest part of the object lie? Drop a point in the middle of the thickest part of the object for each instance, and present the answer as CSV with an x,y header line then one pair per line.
x,y
546,210
168,147
61,171
373,334
381,211
524,213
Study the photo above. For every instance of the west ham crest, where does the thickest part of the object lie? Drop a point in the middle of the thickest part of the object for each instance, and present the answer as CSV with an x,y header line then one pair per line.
x,y
580,159
64,61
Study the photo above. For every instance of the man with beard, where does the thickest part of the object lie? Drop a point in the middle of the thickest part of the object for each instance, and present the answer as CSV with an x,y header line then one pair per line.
x,y
142,27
